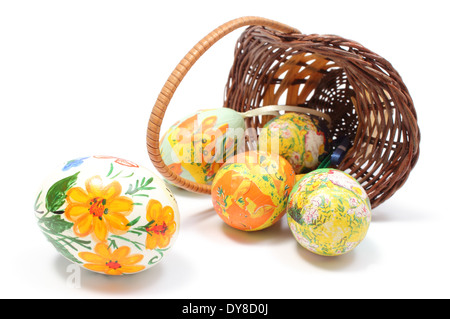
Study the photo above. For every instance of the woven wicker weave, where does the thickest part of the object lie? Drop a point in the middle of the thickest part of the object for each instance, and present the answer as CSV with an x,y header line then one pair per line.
x,y
277,65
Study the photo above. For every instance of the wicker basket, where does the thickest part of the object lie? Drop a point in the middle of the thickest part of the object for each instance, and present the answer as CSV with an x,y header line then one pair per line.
x,y
277,65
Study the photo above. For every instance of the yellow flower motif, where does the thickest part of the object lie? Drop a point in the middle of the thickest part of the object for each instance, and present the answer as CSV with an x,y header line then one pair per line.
x,y
161,225
98,209
357,190
315,185
309,157
330,185
118,262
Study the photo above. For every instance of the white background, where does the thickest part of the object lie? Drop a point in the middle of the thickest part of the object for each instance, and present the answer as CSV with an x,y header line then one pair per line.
x,y
80,78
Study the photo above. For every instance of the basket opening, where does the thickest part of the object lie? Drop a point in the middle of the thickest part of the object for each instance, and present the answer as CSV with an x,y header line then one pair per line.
x,y
297,78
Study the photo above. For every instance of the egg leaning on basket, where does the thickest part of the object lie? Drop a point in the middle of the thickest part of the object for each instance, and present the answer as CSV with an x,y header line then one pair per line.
x,y
299,138
107,214
198,145
328,212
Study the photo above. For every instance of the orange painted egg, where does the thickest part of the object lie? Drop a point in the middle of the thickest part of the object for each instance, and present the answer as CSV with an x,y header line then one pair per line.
x,y
251,190
107,214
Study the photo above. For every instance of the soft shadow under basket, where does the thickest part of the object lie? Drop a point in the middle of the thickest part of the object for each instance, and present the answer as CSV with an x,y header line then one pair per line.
x,y
277,65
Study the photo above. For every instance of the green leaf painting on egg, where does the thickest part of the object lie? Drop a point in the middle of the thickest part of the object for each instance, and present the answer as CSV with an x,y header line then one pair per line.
x,y
56,195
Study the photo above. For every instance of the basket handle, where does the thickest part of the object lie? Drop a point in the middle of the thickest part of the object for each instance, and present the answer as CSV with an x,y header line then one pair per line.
x,y
166,94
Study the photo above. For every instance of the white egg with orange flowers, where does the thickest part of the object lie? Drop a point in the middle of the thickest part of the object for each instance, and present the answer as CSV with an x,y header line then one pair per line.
x,y
108,214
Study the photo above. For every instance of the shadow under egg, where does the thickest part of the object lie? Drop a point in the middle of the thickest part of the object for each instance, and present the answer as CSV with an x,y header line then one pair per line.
x,y
169,273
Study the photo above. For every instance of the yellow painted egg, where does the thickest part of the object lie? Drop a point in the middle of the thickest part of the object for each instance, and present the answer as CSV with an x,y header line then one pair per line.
x,y
296,137
197,146
250,191
328,212
108,214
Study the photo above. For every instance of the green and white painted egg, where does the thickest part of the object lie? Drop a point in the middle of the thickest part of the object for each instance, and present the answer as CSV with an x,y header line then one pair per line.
x,y
197,146
296,137
328,212
108,214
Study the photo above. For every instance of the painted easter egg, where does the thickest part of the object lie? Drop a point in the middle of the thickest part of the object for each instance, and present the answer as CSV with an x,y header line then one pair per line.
x,y
108,214
197,146
296,137
250,191
328,212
